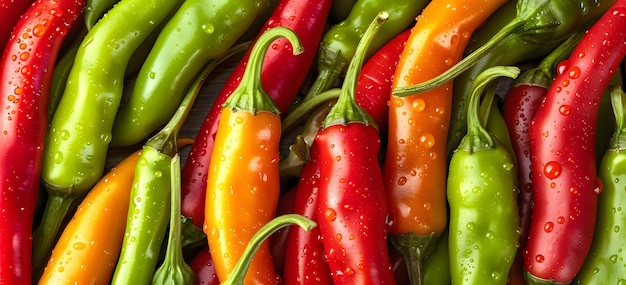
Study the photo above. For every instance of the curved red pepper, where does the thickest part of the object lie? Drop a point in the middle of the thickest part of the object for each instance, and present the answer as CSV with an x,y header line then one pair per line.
x,y
374,84
202,267
304,252
10,11
563,153
25,78
283,75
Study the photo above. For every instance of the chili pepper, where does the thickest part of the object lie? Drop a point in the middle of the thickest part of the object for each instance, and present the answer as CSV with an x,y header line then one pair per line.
x,y
308,23
239,273
239,200
11,10
562,136
147,217
202,266
415,166
519,107
174,268
351,202
605,262
79,133
304,252
29,54
536,21
482,189
199,31
436,267
339,43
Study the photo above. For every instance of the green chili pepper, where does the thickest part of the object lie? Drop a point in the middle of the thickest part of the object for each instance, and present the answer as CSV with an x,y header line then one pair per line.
x,y
80,130
339,43
482,187
147,217
95,9
199,31
606,261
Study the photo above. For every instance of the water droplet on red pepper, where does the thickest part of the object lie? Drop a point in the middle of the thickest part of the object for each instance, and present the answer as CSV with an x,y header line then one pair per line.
x,y
560,220
402,180
330,214
552,170
574,72
548,227
540,258
565,110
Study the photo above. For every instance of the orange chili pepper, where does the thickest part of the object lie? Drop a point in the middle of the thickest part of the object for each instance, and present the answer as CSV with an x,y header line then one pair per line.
x,y
415,167
243,180
89,246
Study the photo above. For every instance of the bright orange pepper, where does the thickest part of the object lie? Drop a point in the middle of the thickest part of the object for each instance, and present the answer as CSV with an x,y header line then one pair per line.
x,y
93,247
243,183
416,166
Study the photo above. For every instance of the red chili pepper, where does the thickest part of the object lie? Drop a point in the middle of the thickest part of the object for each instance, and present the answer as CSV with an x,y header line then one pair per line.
x,y
202,266
563,160
304,252
352,204
374,85
282,75
25,75
11,10
518,109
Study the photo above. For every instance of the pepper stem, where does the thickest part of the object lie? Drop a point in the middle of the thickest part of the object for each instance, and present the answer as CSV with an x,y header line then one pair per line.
x,y
45,235
346,110
477,136
307,106
174,269
250,95
413,249
238,274
618,141
165,140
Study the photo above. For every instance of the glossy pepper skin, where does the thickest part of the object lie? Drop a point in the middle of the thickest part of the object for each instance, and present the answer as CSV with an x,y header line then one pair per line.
x,y
199,31
606,260
80,130
339,43
351,201
563,160
538,22
304,253
25,77
415,165
482,193
307,19
243,181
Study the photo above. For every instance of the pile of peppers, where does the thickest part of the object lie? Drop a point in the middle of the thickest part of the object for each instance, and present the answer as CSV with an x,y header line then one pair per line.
x,y
313,142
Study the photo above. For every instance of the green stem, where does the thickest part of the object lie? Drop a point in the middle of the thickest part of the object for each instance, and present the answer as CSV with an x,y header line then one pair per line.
x,y
174,270
477,136
618,141
165,140
463,65
238,274
346,110
45,235
250,95
307,106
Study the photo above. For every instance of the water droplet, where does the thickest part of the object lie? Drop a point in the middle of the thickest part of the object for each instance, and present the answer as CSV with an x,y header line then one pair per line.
x,y
548,227
574,72
565,110
560,220
208,28
402,180
470,226
552,170
64,134
330,214
427,140
540,258
24,56
79,246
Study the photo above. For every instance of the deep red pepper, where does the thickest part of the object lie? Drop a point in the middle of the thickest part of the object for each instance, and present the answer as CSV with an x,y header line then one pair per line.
x,y
518,109
202,267
352,204
282,75
374,85
25,76
10,12
304,253
563,160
